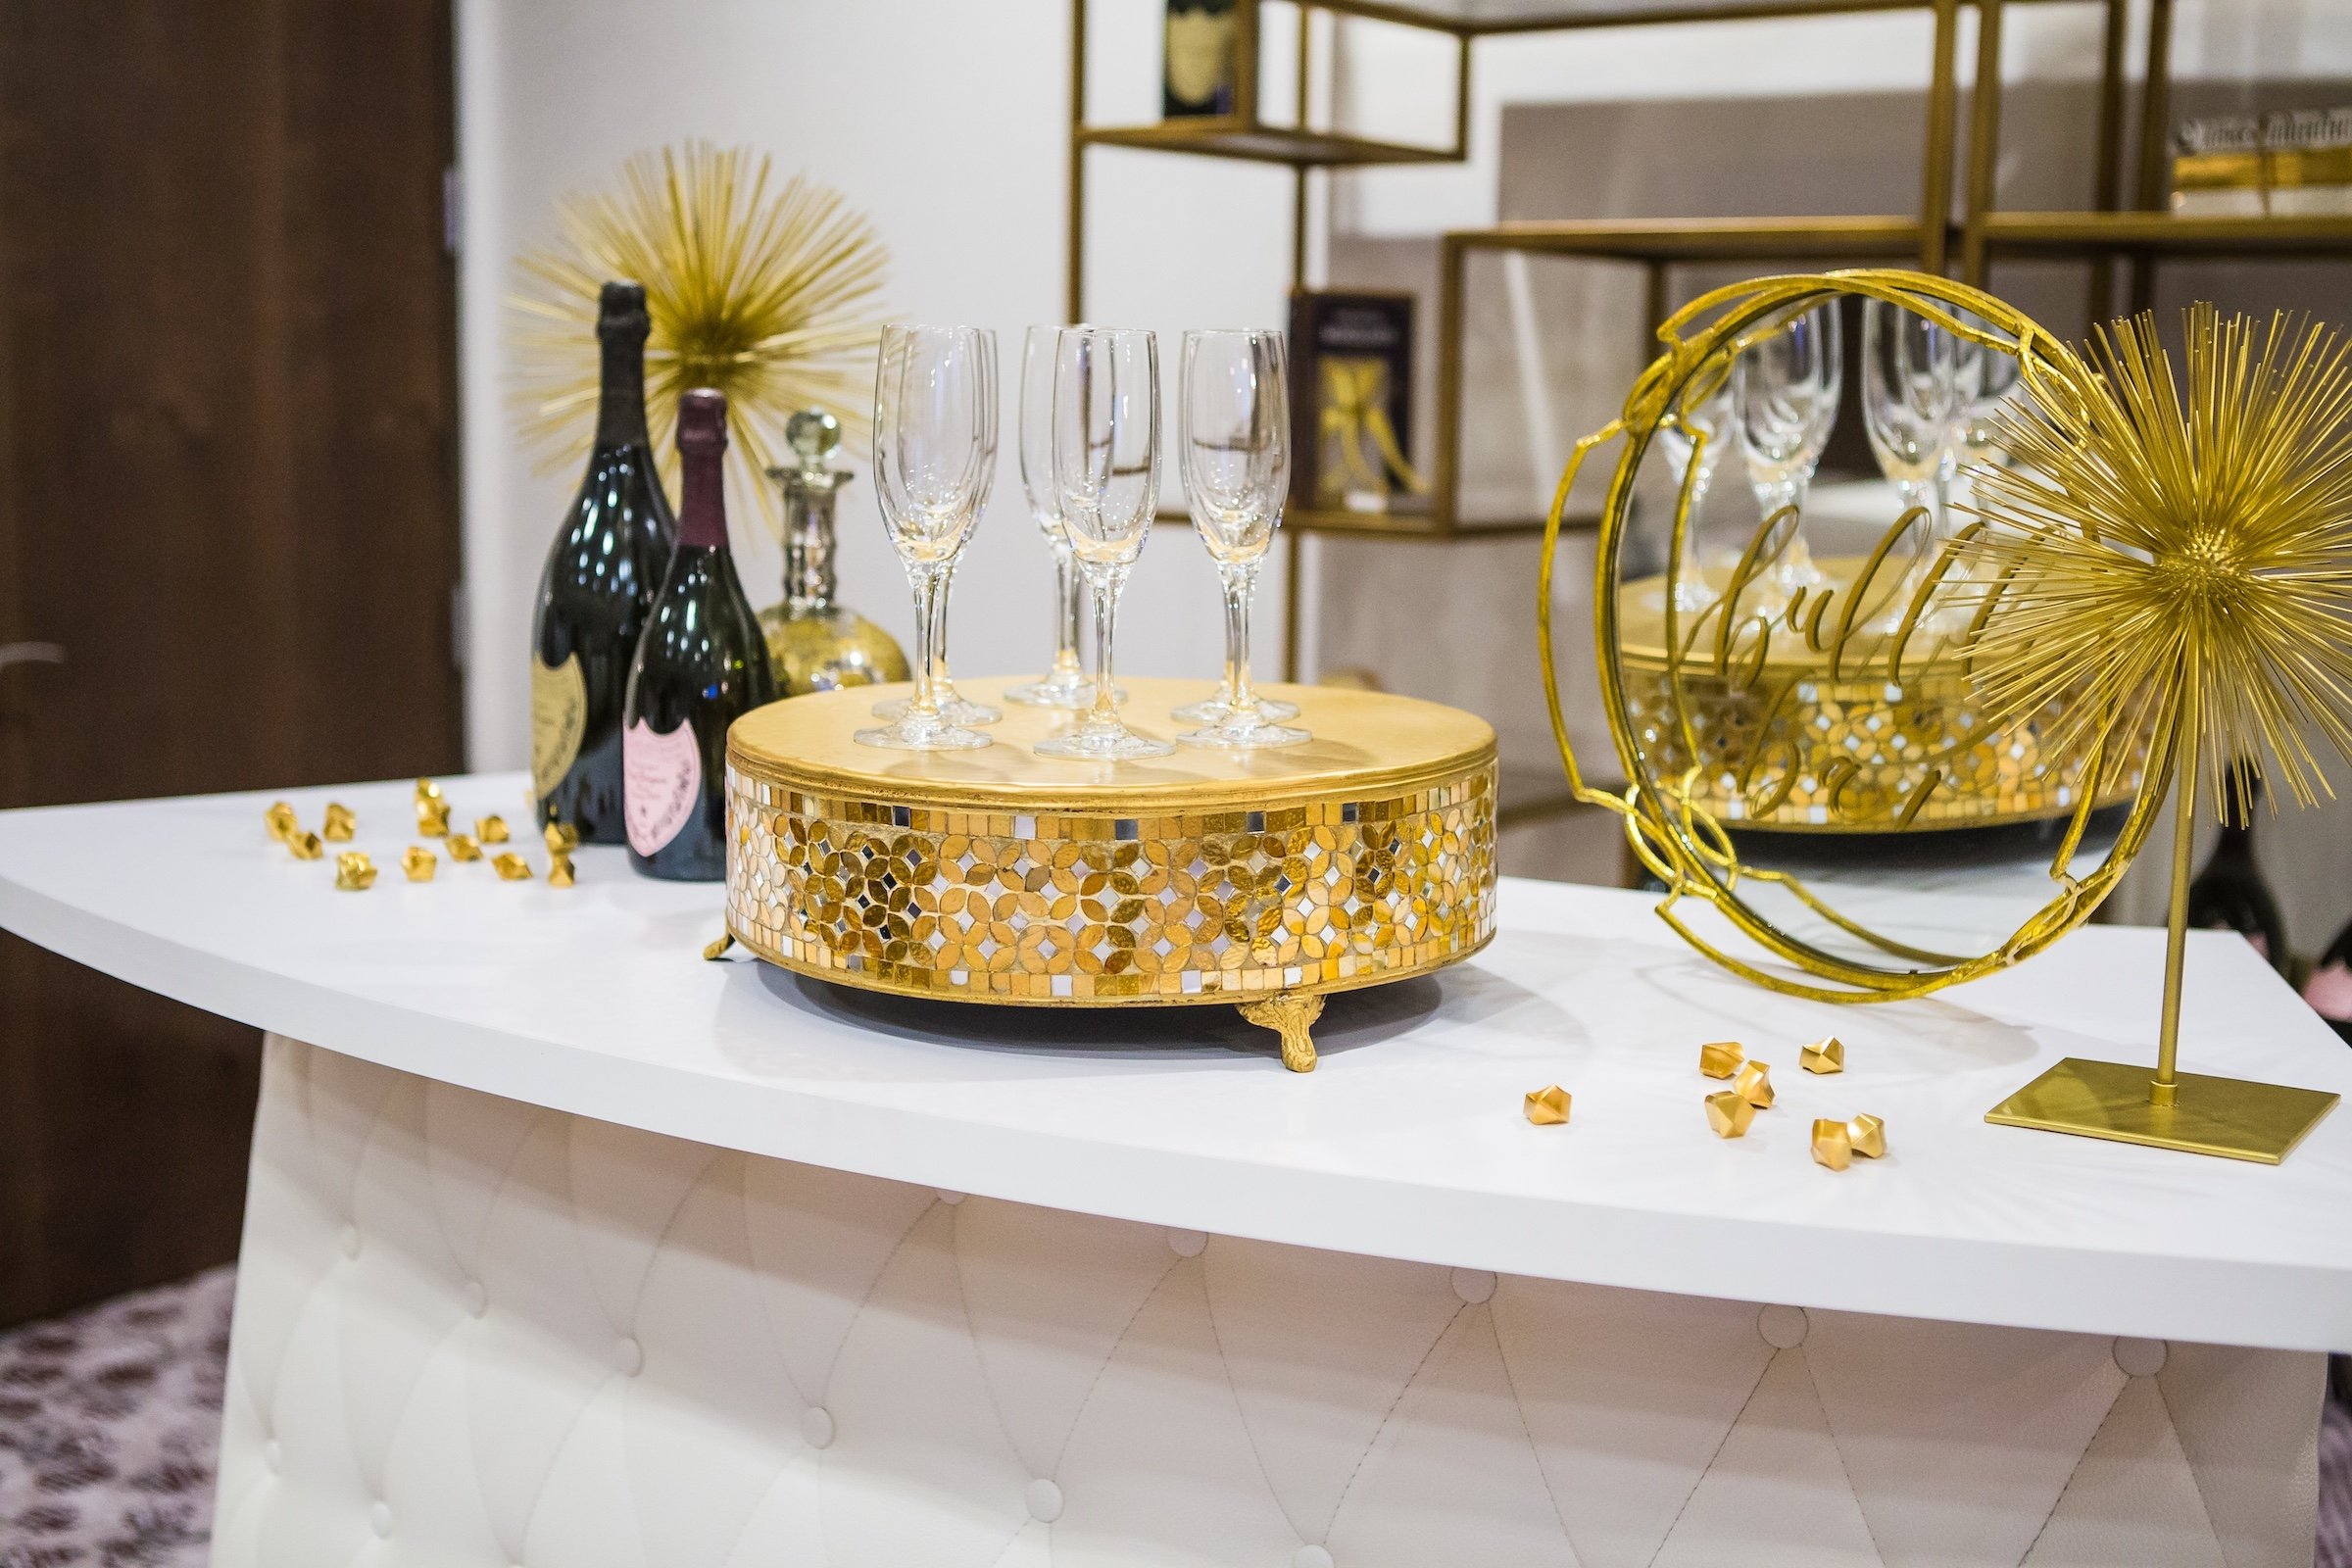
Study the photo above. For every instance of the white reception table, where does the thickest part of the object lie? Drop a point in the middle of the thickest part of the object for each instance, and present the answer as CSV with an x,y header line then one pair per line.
x,y
567,1248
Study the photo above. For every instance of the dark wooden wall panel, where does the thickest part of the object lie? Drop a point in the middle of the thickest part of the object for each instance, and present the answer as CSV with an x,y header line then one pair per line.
x,y
227,428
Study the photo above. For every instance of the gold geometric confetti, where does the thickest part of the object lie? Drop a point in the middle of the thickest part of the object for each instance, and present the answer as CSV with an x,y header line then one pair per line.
x,y
1833,1144
513,867
490,829
1547,1106
1824,1055
432,818
354,871
339,823
419,863
559,871
1721,1060
1729,1113
562,838
305,846
1754,1084
1869,1135
428,790
281,820
462,848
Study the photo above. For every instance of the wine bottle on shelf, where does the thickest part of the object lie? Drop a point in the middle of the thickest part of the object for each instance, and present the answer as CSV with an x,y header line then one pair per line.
x,y
597,585
702,664
2329,988
1198,77
2230,894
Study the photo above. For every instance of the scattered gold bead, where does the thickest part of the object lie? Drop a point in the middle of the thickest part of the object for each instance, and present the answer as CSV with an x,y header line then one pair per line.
x,y
432,818
1869,1136
715,951
559,871
419,863
562,838
428,790
1721,1060
512,867
1824,1055
354,871
490,829
1754,1084
1833,1144
281,819
340,823
305,846
462,848
1547,1106
1730,1114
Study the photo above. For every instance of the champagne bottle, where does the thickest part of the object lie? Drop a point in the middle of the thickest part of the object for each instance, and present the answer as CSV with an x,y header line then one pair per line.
x,y
595,592
2329,988
701,665
2230,894
1198,75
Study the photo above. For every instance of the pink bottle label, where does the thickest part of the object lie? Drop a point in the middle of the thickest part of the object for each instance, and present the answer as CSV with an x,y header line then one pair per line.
x,y
661,776
2329,991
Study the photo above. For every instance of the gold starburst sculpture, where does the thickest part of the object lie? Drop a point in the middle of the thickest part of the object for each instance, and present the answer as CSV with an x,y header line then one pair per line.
x,y
767,291
2177,554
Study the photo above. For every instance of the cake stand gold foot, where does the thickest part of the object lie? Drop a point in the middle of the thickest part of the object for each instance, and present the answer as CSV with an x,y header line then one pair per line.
x,y
1291,1014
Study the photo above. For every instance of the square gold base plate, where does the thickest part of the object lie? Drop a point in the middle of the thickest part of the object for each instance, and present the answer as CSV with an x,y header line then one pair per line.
x,y
2233,1117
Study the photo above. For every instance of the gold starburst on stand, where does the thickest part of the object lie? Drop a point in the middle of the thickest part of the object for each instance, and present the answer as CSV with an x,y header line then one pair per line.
x,y
765,291
2166,548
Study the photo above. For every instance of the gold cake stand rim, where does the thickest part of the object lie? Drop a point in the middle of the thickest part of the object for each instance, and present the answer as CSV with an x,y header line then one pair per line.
x,y
861,980
1461,748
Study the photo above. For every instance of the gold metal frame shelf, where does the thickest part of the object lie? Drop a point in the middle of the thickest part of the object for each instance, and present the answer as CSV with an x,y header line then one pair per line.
x,y
1260,879
1252,142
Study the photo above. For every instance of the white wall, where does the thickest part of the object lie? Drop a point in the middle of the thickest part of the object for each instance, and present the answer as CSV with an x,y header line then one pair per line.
x,y
944,121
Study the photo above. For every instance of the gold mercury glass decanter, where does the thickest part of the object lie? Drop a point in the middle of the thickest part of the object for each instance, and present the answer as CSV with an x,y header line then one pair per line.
x,y
814,644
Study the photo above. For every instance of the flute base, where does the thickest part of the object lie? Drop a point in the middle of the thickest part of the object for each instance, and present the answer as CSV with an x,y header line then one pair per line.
x,y
952,707
2233,1118
1073,690
1216,709
904,736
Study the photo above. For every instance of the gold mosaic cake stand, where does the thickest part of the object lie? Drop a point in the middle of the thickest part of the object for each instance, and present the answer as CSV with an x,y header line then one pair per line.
x,y
1262,879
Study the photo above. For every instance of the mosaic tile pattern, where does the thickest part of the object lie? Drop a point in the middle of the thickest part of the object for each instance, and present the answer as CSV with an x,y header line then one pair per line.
x,y
1062,908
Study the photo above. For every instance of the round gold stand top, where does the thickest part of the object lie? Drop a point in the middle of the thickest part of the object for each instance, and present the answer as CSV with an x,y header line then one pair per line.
x,y
1365,742
1262,878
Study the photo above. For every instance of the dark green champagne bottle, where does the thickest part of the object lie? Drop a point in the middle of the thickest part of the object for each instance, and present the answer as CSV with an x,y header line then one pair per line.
x,y
596,591
702,664
2230,894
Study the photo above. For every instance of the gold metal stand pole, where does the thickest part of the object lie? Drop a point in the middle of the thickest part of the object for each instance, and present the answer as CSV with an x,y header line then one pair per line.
x,y
2166,1089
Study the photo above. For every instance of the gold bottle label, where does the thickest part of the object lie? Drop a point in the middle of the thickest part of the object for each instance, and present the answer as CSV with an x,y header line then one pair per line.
x,y
559,720
1199,55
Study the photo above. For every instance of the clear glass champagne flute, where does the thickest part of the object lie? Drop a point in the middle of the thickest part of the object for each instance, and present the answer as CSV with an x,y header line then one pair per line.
x,y
1788,384
1234,427
1106,486
1694,445
1066,685
935,456
1911,411
953,705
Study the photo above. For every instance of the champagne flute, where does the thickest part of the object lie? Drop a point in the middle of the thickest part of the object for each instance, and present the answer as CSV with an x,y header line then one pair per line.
x,y
1234,422
1066,685
1105,486
934,456
1694,444
1910,407
1788,386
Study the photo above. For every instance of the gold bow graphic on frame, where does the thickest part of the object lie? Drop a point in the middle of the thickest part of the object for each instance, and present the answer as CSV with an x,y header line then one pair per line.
x,y
1354,412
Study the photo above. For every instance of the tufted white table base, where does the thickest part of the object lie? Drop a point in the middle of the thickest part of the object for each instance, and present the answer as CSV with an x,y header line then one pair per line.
x,y
472,1334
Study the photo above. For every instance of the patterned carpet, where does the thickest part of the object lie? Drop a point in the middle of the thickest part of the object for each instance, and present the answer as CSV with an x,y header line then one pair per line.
x,y
110,1419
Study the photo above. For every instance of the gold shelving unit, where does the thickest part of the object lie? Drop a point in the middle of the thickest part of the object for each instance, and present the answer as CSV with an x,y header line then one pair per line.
x,y
2138,237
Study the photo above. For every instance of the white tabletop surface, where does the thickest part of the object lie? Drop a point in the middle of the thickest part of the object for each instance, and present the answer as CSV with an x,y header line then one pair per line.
x,y
1407,1142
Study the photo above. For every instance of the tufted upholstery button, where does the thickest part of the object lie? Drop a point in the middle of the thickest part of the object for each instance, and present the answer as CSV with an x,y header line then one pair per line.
x,y
1310,1556
628,1356
1474,1285
1784,1327
951,1199
477,1299
350,1241
1045,1501
2141,1358
817,1426
274,1457
1188,1244
379,1518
